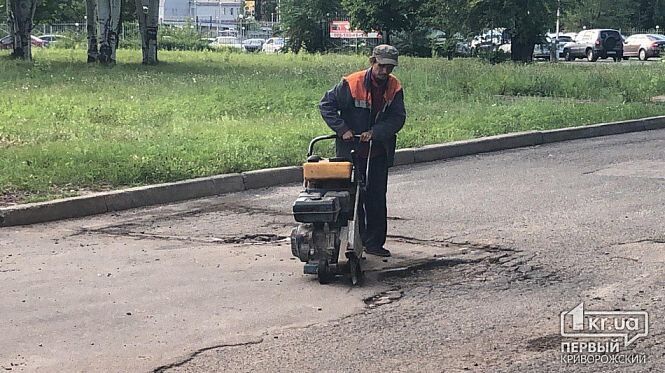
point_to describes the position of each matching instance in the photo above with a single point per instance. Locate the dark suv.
(594, 44)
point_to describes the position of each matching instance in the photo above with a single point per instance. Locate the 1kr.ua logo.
(629, 325)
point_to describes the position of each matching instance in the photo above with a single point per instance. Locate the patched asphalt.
(489, 250)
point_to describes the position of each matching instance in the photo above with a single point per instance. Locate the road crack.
(194, 354)
(257, 238)
(646, 240)
(447, 242)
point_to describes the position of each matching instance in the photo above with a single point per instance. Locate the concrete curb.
(100, 203)
(271, 176)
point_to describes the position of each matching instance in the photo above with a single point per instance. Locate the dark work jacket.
(348, 106)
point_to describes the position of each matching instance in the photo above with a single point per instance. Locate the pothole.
(384, 298)
(413, 268)
(448, 243)
(257, 238)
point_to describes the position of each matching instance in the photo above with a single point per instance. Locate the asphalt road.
(489, 251)
(631, 61)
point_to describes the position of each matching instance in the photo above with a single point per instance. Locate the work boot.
(379, 251)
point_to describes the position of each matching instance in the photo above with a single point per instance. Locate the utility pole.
(219, 17)
(556, 40)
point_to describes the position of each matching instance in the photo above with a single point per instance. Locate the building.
(212, 12)
(250, 8)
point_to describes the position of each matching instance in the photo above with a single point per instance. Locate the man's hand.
(366, 136)
(347, 136)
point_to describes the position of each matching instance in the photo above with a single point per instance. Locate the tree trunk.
(147, 12)
(521, 50)
(21, 13)
(109, 27)
(257, 10)
(91, 27)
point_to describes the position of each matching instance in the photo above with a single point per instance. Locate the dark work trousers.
(373, 203)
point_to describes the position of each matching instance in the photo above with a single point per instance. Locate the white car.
(253, 45)
(227, 42)
(274, 45)
(542, 47)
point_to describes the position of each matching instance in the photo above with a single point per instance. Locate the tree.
(306, 23)
(148, 17)
(649, 14)
(616, 14)
(525, 20)
(69, 11)
(21, 13)
(385, 16)
(448, 21)
(59, 11)
(450, 16)
(265, 10)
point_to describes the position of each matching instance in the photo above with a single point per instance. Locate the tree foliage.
(59, 11)
(266, 10)
(525, 20)
(617, 14)
(451, 16)
(306, 23)
(70, 11)
(385, 16)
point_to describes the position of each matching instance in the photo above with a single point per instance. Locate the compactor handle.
(310, 149)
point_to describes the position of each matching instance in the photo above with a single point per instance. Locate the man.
(369, 103)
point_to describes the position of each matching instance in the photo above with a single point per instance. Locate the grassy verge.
(67, 127)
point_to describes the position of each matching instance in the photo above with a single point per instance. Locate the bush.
(169, 43)
(493, 56)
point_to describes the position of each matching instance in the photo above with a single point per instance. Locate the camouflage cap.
(385, 54)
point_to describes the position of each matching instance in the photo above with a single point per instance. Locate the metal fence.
(633, 31)
(131, 30)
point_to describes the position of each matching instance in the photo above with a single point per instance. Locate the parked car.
(644, 46)
(491, 41)
(52, 38)
(274, 45)
(462, 48)
(227, 32)
(571, 35)
(506, 48)
(8, 42)
(226, 42)
(542, 48)
(442, 45)
(253, 45)
(594, 44)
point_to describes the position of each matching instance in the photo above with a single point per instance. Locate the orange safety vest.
(362, 96)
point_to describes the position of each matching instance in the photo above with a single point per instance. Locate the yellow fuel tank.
(326, 170)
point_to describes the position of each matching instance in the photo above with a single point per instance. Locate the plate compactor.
(328, 212)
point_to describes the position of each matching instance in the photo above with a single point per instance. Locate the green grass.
(66, 126)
